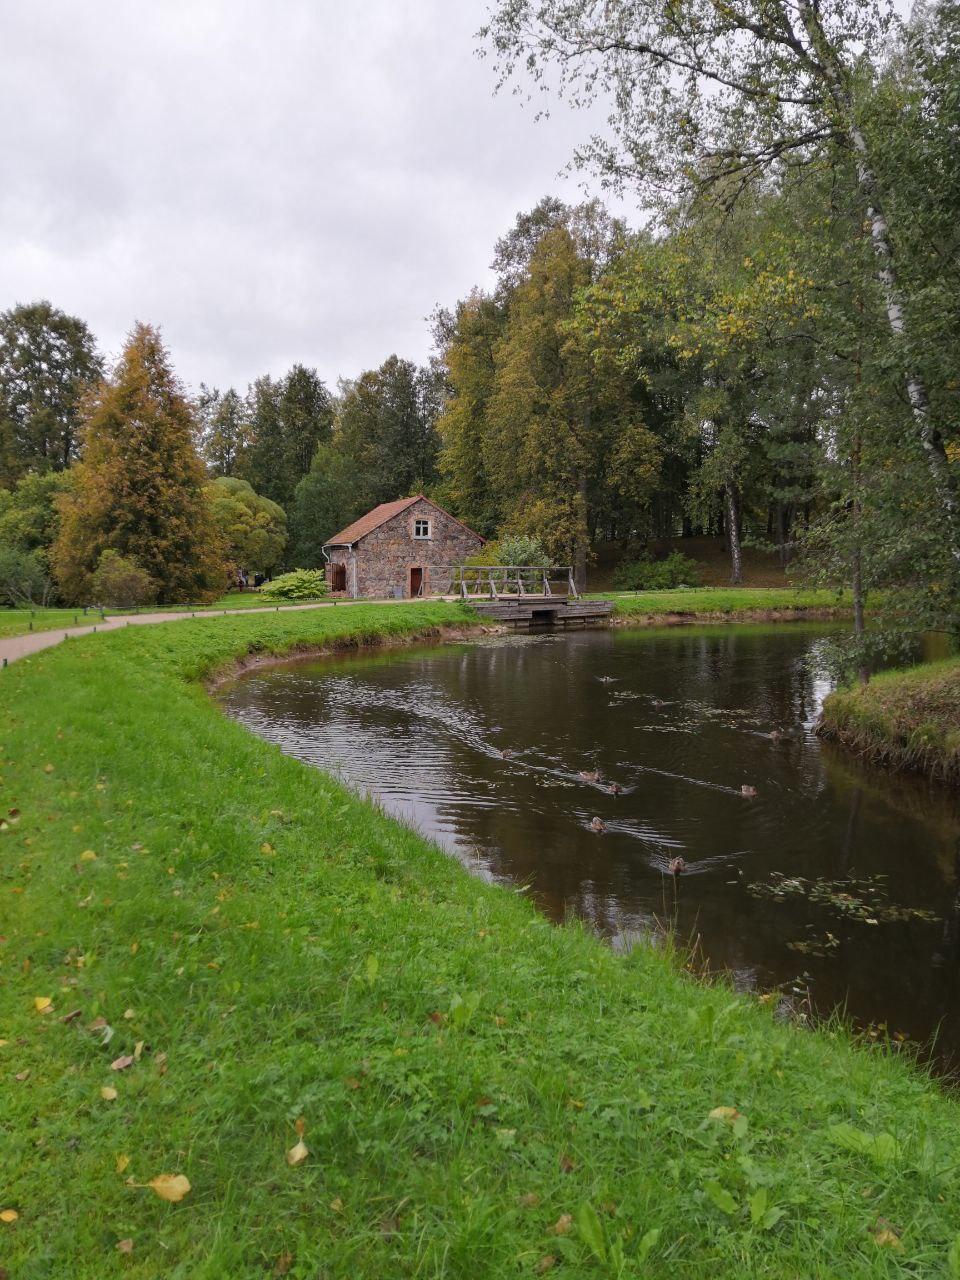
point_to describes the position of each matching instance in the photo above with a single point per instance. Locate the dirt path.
(14, 647)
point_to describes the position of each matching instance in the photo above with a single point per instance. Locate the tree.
(224, 430)
(325, 501)
(709, 97)
(469, 356)
(118, 582)
(139, 486)
(252, 529)
(386, 427)
(289, 417)
(47, 360)
(29, 513)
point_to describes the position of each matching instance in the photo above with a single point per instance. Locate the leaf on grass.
(8, 1215)
(721, 1197)
(529, 1201)
(725, 1113)
(42, 1004)
(567, 1164)
(121, 1063)
(591, 1231)
(953, 1259)
(297, 1154)
(882, 1147)
(546, 1262)
(128, 1014)
(887, 1239)
(283, 1264)
(124, 1246)
(562, 1224)
(122, 1163)
(108, 1093)
(48, 768)
(171, 1187)
(336, 1205)
(300, 1128)
(88, 855)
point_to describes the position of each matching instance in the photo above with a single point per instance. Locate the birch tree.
(714, 95)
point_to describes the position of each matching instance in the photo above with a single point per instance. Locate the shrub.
(23, 577)
(300, 584)
(512, 548)
(119, 582)
(646, 574)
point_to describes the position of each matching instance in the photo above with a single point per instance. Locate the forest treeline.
(773, 356)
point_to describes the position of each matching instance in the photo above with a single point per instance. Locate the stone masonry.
(391, 561)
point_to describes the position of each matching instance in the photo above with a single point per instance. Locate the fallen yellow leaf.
(296, 1155)
(128, 1014)
(562, 1224)
(122, 1162)
(8, 1215)
(124, 1246)
(887, 1239)
(88, 856)
(121, 1063)
(170, 1186)
(42, 1003)
(336, 1205)
(108, 1093)
(725, 1113)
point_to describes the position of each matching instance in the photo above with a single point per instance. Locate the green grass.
(267, 947)
(17, 622)
(909, 719)
(722, 602)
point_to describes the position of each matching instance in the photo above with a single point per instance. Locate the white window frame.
(422, 537)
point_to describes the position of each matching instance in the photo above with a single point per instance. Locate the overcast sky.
(270, 182)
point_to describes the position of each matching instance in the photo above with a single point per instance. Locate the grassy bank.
(17, 622)
(240, 949)
(724, 604)
(907, 719)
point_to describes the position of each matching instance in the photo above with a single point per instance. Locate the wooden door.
(339, 577)
(416, 582)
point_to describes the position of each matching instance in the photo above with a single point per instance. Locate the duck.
(507, 754)
(590, 775)
(615, 789)
(676, 866)
(749, 792)
(657, 702)
(597, 824)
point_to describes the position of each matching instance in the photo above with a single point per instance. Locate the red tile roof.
(372, 520)
(380, 515)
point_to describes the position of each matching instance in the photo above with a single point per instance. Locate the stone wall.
(380, 563)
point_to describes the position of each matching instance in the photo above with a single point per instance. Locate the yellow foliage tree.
(138, 488)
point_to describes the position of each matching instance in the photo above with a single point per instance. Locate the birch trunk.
(733, 535)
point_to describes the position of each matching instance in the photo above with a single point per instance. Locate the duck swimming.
(615, 789)
(590, 775)
(676, 866)
(750, 793)
(597, 824)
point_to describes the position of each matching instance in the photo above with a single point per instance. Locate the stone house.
(400, 549)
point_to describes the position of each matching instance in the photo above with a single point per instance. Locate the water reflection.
(504, 750)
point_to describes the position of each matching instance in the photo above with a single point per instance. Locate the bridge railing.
(514, 581)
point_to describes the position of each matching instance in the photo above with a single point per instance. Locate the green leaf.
(721, 1197)
(758, 1205)
(953, 1259)
(462, 1008)
(591, 1231)
(881, 1147)
(372, 969)
(647, 1241)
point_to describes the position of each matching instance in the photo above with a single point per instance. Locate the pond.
(836, 882)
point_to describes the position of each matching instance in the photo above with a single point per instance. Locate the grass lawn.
(16, 622)
(909, 718)
(211, 952)
(721, 602)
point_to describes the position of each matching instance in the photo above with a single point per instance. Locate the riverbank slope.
(212, 953)
(907, 719)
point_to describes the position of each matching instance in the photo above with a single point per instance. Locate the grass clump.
(908, 719)
(252, 958)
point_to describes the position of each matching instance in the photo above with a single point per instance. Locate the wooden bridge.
(528, 595)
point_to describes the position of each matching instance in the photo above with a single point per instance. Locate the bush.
(23, 577)
(118, 582)
(646, 574)
(300, 584)
(512, 548)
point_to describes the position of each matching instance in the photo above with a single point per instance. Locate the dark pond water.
(837, 881)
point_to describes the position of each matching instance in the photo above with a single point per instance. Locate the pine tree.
(138, 488)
